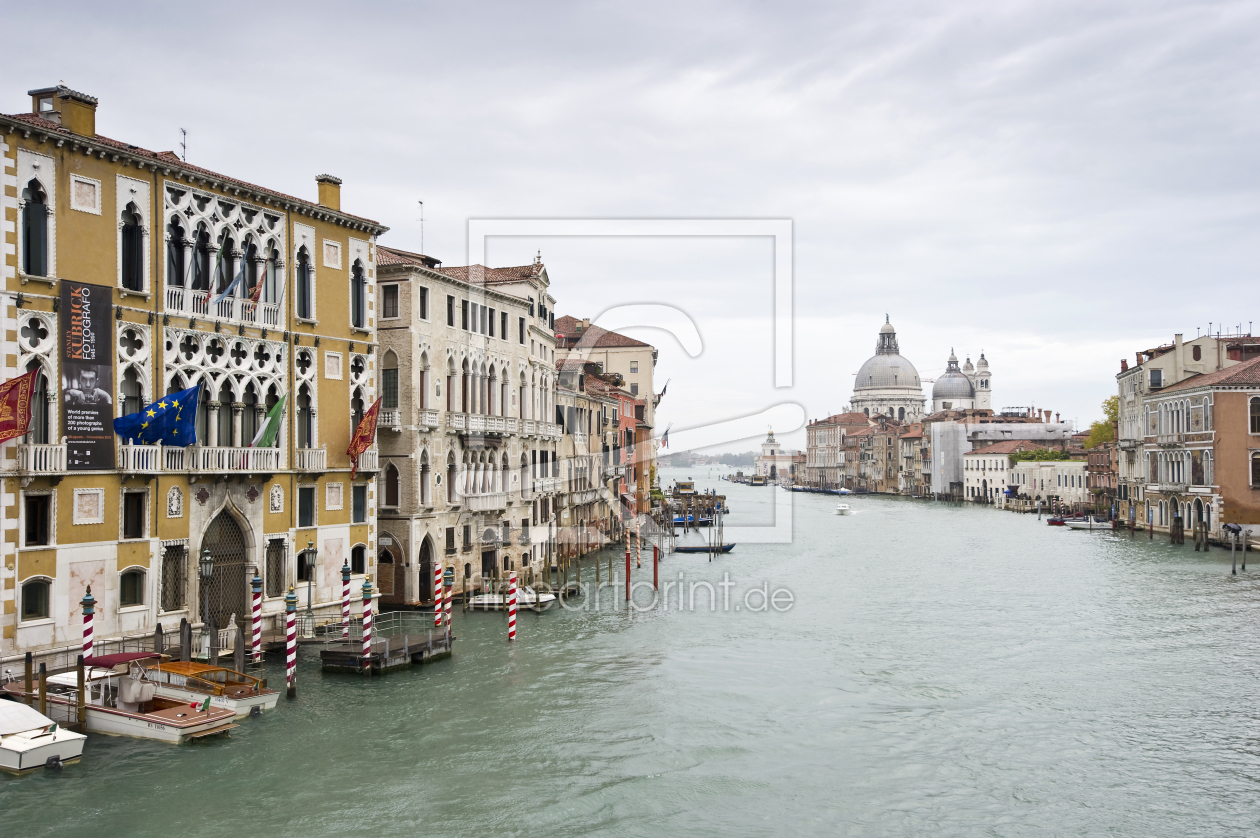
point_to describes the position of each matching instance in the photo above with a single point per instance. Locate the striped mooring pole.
(256, 646)
(89, 608)
(512, 605)
(437, 595)
(367, 625)
(450, 600)
(629, 540)
(290, 643)
(345, 601)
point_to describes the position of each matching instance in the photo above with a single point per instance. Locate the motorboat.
(226, 688)
(1086, 523)
(844, 491)
(122, 701)
(527, 599)
(679, 520)
(30, 740)
(843, 509)
(1056, 521)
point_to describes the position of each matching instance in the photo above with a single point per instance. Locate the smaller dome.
(982, 363)
(967, 367)
(887, 329)
(952, 385)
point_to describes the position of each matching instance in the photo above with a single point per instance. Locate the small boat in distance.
(1086, 523)
(700, 548)
(1056, 521)
(844, 491)
(30, 740)
(527, 599)
(843, 509)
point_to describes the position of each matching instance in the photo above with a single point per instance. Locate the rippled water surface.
(944, 671)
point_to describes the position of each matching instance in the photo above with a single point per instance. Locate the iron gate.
(229, 585)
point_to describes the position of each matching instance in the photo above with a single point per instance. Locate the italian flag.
(266, 436)
(201, 706)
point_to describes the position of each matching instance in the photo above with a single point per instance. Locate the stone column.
(212, 424)
(238, 412)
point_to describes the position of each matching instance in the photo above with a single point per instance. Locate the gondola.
(725, 548)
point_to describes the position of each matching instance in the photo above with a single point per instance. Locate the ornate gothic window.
(305, 291)
(175, 268)
(358, 296)
(34, 230)
(131, 243)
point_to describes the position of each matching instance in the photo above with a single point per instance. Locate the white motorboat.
(527, 599)
(843, 509)
(30, 740)
(845, 491)
(192, 681)
(121, 701)
(1086, 523)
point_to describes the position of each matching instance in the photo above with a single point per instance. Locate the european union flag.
(171, 421)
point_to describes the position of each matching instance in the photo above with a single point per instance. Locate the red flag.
(257, 295)
(15, 405)
(364, 436)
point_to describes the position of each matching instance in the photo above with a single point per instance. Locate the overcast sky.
(1058, 183)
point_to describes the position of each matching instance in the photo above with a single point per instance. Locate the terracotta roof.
(170, 158)
(1008, 446)
(851, 418)
(481, 275)
(867, 431)
(394, 256)
(1246, 374)
(570, 334)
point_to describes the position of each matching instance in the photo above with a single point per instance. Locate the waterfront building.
(584, 411)
(775, 463)
(824, 451)
(1202, 450)
(469, 461)
(887, 384)
(112, 255)
(1102, 465)
(988, 470)
(954, 434)
(1061, 480)
(1154, 370)
(915, 476)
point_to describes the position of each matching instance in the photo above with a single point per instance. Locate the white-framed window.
(36, 599)
(85, 194)
(634, 366)
(39, 516)
(133, 514)
(332, 254)
(307, 507)
(131, 587)
(333, 496)
(389, 301)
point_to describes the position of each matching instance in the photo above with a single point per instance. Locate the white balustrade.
(218, 459)
(428, 418)
(486, 501)
(392, 419)
(42, 459)
(140, 459)
(311, 459)
(197, 304)
(369, 460)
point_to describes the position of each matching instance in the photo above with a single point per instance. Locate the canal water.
(940, 670)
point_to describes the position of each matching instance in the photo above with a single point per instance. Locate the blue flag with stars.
(170, 421)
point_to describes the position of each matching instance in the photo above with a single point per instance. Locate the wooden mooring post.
(30, 679)
(43, 689)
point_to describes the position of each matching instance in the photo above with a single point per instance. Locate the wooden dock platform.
(399, 639)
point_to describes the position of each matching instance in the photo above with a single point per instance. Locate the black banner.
(87, 376)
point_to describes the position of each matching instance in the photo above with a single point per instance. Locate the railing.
(512, 426)
(529, 427)
(197, 304)
(548, 485)
(370, 459)
(496, 424)
(1170, 439)
(486, 501)
(175, 459)
(1130, 444)
(549, 429)
(220, 459)
(42, 459)
(391, 419)
(476, 423)
(311, 459)
(428, 418)
(457, 421)
(1170, 488)
(140, 459)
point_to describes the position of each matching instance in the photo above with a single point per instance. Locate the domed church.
(960, 389)
(888, 384)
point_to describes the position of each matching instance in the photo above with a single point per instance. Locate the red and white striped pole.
(345, 601)
(89, 609)
(629, 540)
(367, 626)
(437, 596)
(450, 600)
(256, 645)
(512, 605)
(290, 642)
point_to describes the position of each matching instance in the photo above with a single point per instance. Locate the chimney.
(1124, 364)
(586, 323)
(73, 110)
(329, 192)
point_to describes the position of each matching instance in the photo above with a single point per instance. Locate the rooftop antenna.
(421, 203)
(183, 144)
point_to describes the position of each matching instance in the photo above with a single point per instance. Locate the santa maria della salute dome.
(889, 385)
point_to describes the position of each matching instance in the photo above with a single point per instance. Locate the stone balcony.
(310, 460)
(427, 419)
(35, 460)
(391, 419)
(486, 501)
(197, 304)
(1170, 440)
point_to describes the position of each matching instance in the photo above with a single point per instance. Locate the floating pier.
(399, 639)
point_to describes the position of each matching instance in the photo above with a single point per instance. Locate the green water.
(943, 671)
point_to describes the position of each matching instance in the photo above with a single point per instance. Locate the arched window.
(271, 289)
(131, 588)
(34, 230)
(358, 296)
(305, 418)
(39, 432)
(1255, 470)
(253, 270)
(132, 245)
(175, 268)
(132, 392)
(358, 559)
(389, 381)
(225, 415)
(203, 412)
(35, 599)
(1197, 353)
(305, 293)
(391, 485)
(356, 409)
(1255, 415)
(901, 413)
(223, 264)
(450, 479)
(249, 416)
(201, 261)
(425, 478)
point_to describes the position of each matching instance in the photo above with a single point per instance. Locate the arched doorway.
(228, 589)
(984, 490)
(425, 590)
(389, 572)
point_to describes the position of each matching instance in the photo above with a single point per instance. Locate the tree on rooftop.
(1104, 429)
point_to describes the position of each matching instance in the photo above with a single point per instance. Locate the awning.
(110, 661)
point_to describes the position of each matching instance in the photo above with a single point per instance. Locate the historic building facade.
(469, 461)
(115, 259)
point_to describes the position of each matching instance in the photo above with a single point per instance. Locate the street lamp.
(308, 619)
(205, 566)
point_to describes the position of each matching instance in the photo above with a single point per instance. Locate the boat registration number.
(155, 726)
